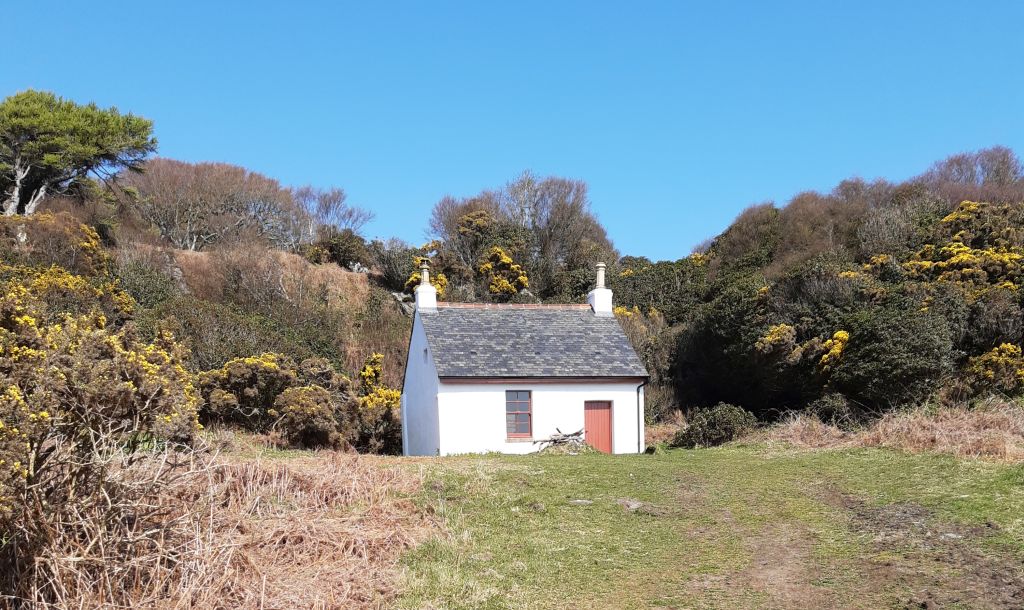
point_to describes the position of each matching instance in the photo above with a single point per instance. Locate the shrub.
(56, 292)
(372, 373)
(395, 261)
(76, 397)
(380, 426)
(216, 333)
(243, 391)
(711, 427)
(320, 371)
(377, 410)
(504, 276)
(999, 369)
(674, 288)
(148, 285)
(833, 408)
(343, 247)
(995, 318)
(311, 417)
(894, 355)
(311, 404)
(718, 347)
(53, 239)
(979, 247)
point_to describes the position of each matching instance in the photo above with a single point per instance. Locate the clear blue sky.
(677, 114)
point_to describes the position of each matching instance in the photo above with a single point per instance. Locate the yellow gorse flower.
(834, 350)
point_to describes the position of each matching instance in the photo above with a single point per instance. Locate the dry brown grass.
(317, 530)
(993, 429)
(293, 275)
(323, 531)
(294, 278)
(806, 431)
(664, 432)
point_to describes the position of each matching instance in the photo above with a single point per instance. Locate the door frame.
(611, 423)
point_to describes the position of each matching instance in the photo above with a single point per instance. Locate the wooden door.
(597, 425)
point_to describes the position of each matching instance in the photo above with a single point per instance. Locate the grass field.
(756, 526)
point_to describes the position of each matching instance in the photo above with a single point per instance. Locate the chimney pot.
(600, 298)
(424, 273)
(426, 294)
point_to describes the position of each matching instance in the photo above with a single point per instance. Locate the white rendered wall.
(420, 432)
(472, 416)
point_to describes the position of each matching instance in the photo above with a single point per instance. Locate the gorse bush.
(344, 248)
(216, 333)
(311, 416)
(243, 391)
(310, 404)
(75, 393)
(59, 293)
(377, 410)
(712, 427)
(673, 288)
(46, 239)
(504, 277)
(1000, 369)
(894, 355)
(320, 410)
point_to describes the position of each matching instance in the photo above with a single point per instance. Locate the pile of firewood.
(569, 441)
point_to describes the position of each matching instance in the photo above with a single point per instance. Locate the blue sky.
(677, 114)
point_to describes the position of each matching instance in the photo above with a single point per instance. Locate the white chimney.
(426, 295)
(600, 298)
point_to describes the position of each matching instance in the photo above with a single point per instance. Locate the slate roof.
(470, 340)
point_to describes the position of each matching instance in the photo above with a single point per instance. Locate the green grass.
(731, 527)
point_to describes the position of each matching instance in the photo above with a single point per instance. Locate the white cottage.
(485, 377)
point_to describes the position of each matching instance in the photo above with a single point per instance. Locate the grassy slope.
(739, 526)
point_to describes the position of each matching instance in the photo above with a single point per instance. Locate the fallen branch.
(574, 439)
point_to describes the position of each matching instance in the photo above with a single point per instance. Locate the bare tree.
(999, 166)
(194, 205)
(567, 235)
(991, 174)
(444, 220)
(327, 208)
(548, 219)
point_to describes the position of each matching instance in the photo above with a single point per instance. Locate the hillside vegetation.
(150, 308)
(849, 304)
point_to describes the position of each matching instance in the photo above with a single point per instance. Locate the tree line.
(850, 302)
(847, 303)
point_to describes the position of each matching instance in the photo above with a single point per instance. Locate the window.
(517, 414)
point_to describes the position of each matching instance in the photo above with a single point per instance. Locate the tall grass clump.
(991, 428)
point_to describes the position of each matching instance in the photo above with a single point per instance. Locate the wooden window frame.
(528, 412)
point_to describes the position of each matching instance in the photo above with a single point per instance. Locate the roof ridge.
(570, 306)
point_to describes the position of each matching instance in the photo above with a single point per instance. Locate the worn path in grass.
(747, 527)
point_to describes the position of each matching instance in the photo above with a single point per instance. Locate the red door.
(597, 425)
